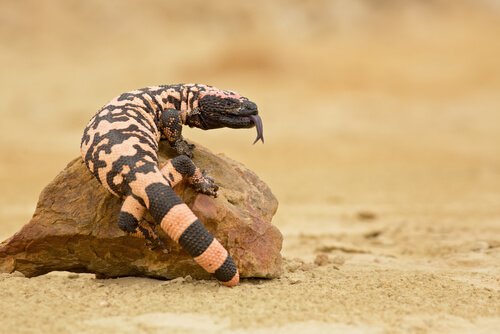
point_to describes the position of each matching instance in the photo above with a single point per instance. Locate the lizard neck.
(181, 97)
(185, 99)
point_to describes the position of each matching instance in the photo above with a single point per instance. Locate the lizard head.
(225, 109)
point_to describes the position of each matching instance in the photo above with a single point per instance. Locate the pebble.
(294, 264)
(17, 274)
(104, 303)
(294, 281)
(338, 260)
(366, 215)
(480, 246)
(307, 266)
(322, 259)
(177, 280)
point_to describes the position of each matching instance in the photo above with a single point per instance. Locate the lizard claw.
(157, 244)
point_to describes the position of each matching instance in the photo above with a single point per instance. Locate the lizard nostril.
(250, 106)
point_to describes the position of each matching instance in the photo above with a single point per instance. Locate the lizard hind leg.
(180, 224)
(130, 221)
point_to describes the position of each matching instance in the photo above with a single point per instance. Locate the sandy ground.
(382, 125)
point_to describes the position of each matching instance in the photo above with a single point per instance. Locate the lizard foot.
(153, 241)
(182, 147)
(156, 244)
(205, 185)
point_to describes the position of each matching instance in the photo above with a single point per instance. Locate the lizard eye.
(230, 103)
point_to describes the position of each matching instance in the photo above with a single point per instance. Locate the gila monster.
(120, 145)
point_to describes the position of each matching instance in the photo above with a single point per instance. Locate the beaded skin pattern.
(120, 146)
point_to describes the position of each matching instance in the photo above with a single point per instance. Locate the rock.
(74, 227)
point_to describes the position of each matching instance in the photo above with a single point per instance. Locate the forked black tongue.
(258, 125)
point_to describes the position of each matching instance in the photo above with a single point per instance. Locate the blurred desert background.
(382, 127)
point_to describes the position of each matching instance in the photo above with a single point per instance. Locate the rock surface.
(74, 227)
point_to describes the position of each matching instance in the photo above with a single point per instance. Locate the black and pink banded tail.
(180, 223)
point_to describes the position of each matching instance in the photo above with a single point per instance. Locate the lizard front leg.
(182, 167)
(171, 128)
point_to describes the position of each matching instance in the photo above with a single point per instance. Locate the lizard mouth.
(244, 116)
(237, 122)
(249, 110)
(241, 120)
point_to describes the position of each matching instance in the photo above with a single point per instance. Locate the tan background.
(389, 109)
